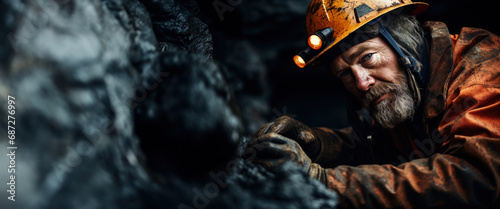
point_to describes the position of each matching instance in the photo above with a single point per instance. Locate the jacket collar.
(440, 68)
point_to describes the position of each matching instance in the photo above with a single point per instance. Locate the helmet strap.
(407, 61)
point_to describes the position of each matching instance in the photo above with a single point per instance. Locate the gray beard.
(395, 109)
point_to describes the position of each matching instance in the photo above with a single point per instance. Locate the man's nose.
(364, 80)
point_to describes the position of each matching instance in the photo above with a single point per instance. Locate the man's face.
(370, 71)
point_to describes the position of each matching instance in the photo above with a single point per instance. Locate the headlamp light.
(303, 57)
(316, 42)
(320, 38)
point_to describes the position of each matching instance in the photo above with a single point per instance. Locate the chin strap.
(407, 61)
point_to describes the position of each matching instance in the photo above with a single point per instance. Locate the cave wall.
(122, 104)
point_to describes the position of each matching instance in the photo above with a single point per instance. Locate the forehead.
(348, 56)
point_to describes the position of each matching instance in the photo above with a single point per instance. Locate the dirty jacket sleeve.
(465, 170)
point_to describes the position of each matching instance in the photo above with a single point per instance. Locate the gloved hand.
(272, 150)
(311, 140)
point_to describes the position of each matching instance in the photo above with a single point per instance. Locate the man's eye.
(367, 57)
(345, 73)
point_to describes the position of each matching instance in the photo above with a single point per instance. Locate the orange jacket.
(455, 160)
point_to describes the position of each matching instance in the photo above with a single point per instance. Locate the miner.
(423, 104)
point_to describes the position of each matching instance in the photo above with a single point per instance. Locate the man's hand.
(273, 150)
(295, 130)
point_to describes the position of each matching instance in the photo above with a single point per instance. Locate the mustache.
(378, 90)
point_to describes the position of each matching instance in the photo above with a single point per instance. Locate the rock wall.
(141, 104)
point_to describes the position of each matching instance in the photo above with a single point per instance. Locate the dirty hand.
(288, 127)
(272, 150)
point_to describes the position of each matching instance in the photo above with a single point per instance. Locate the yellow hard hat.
(330, 21)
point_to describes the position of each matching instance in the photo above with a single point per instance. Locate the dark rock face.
(203, 102)
(128, 104)
(177, 28)
(73, 67)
